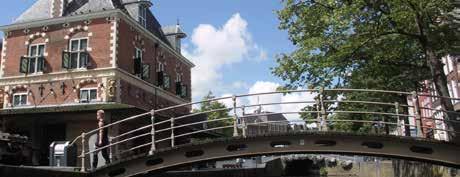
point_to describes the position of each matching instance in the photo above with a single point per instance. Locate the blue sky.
(232, 42)
(262, 25)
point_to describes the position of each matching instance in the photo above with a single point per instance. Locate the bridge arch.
(435, 152)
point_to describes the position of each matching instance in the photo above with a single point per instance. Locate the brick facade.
(57, 96)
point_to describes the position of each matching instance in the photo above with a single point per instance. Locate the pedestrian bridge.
(168, 141)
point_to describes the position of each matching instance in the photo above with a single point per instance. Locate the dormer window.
(34, 62)
(143, 15)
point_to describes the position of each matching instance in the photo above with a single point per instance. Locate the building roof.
(38, 11)
(41, 10)
(87, 6)
(174, 30)
(264, 117)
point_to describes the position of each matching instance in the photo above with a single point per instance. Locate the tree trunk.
(440, 82)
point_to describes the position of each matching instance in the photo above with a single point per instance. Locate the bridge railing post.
(318, 113)
(83, 152)
(418, 118)
(172, 132)
(244, 127)
(398, 119)
(323, 110)
(235, 120)
(152, 132)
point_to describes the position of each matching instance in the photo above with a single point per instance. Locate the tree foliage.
(217, 110)
(370, 44)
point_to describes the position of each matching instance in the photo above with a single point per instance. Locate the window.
(181, 89)
(143, 15)
(179, 77)
(161, 67)
(138, 68)
(88, 95)
(20, 99)
(34, 62)
(77, 56)
(160, 74)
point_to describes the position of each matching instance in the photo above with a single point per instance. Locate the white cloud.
(214, 48)
(263, 87)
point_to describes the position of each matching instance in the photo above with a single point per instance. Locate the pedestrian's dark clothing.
(105, 151)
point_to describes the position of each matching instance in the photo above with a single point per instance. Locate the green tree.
(221, 112)
(371, 44)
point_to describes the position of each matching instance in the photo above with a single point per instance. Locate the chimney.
(58, 8)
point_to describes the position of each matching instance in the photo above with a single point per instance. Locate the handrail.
(375, 113)
(323, 118)
(365, 102)
(117, 122)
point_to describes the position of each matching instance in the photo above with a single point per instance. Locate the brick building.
(429, 105)
(64, 59)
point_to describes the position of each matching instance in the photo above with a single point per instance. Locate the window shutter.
(41, 64)
(24, 65)
(167, 82)
(145, 71)
(65, 60)
(160, 78)
(137, 66)
(183, 91)
(178, 88)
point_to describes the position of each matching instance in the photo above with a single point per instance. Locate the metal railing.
(157, 132)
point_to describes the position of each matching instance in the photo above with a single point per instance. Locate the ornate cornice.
(92, 74)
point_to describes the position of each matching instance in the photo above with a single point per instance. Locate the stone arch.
(36, 36)
(75, 30)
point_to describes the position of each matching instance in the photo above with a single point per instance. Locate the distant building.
(263, 123)
(64, 59)
(432, 120)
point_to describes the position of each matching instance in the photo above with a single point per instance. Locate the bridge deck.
(436, 152)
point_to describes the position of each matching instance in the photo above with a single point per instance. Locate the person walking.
(102, 139)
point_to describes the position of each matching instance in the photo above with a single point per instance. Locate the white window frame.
(454, 85)
(139, 51)
(143, 15)
(450, 63)
(35, 57)
(21, 94)
(179, 77)
(79, 51)
(445, 69)
(161, 67)
(139, 54)
(89, 95)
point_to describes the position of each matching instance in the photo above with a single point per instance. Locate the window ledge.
(36, 73)
(77, 69)
(21, 106)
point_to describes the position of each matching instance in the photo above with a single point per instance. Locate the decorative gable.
(58, 8)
